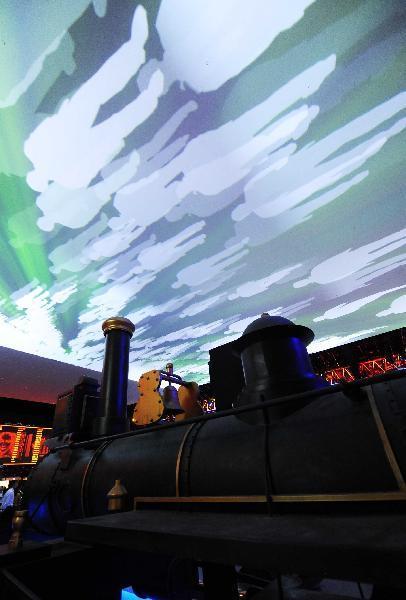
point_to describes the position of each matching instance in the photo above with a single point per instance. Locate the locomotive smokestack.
(275, 360)
(113, 408)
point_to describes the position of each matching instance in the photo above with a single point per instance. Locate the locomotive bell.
(170, 396)
(171, 400)
(275, 363)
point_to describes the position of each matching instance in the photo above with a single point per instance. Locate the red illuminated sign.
(22, 445)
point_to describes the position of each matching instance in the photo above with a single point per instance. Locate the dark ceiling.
(28, 377)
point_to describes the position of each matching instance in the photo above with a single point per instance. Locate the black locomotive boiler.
(291, 440)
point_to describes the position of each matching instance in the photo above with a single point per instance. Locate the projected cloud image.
(191, 164)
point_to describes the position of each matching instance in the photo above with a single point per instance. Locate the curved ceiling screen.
(192, 163)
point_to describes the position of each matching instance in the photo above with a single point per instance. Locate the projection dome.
(192, 164)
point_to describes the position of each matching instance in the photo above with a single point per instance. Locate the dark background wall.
(29, 377)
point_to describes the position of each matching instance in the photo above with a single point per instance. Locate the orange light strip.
(37, 445)
(14, 453)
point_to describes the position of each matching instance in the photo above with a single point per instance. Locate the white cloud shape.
(209, 268)
(257, 286)
(332, 341)
(347, 308)
(67, 147)
(207, 42)
(397, 307)
(351, 261)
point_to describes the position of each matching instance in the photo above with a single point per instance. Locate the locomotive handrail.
(345, 386)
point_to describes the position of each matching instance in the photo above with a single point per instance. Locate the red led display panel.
(21, 445)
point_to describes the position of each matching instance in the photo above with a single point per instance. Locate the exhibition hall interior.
(202, 300)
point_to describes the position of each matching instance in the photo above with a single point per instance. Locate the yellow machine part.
(189, 400)
(149, 408)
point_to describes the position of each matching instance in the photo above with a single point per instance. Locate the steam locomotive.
(291, 440)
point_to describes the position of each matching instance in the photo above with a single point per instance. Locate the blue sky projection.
(191, 164)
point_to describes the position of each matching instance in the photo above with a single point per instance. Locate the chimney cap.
(120, 323)
(266, 320)
(272, 326)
